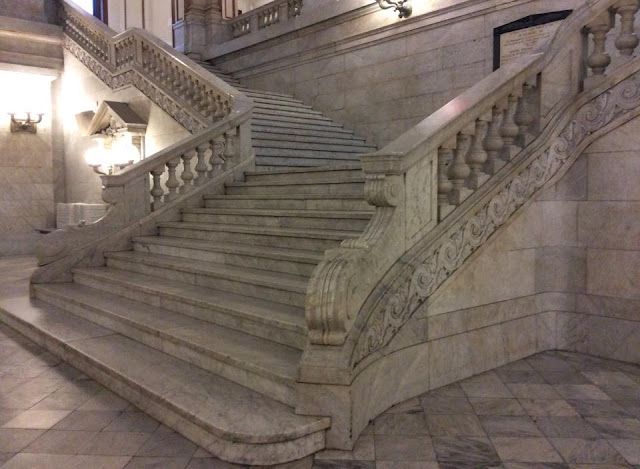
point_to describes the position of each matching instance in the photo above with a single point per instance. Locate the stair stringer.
(360, 379)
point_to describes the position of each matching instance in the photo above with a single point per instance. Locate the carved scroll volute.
(342, 281)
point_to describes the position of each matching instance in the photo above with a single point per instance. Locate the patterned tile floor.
(553, 410)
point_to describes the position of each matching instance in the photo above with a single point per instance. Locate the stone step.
(267, 108)
(321, 173)
(270, 94)
(322, 219)
(285, 288)
(290, 261)
(306, 154)
(336, 139)
(306, 146)
(298, 238)
(277, 322)
(291, 201)
(352, 185)
(264, 366)
(274, 163)
(279, 128)
(292, 121)
(259, 101)
(212, 411)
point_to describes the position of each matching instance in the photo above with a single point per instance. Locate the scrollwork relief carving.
(424, 275)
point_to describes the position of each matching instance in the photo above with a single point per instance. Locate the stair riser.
(275, 265)
(281, 222)
(303, 146)
(312, 244)
(336, 139)
(206, 359)
(282, 116)
(204, 312)
(290, 124)
(274, 163)
(300, 242)
(203, 280)
(294, 111)
(290, 204)
(353, 188)
(299, 178)
(281, 130)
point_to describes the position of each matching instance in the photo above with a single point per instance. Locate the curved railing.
(427, 184)
(217, 115)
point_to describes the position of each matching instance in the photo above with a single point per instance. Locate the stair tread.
(284, 196)
(214, 403)
(297, 255)
(281, 315)
(236, 347)
(345, 180)
(266, 230)
(266, 212)
(316, 169)
(284, 281)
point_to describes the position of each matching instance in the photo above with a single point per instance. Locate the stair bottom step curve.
(232, 422)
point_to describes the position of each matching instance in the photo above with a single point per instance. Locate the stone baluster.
(156, 191)
(599, 60)
(230, 153)
(509, 129)
(187, 175)
(524, 116)
(477, 156)
(172, 181)
(201, 166)
(217, 159)
(493, 143)
(627, 41)
(445, 156)
(459, 170)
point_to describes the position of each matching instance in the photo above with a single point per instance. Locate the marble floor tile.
(548, 408)
(133, 422)
(561, 377)
(60, 442)
(581, 391)
(13, 440)
(520, 376)
(454, 425)
(87, 420)
(403, 448)
(114, 444)
(509, 426)
(566, 427)
(533, 391)
(37, 419)
(617, 428)
(497, 406)
(485, 385)
(525, 449)
(138, 462)
(577, 450)
(609, 378)
(549, 362)
(401, 424)
(62, 401)
(465, 449)
(321, 465)
(600, 408)
(105, 400)
(446, 405)
(622, 393)
(629, 449)
(406, 407)
(631, 407)
(164, 442)
(538, 465)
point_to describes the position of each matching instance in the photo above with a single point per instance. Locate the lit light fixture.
(105, 159)
(404, 11)
(24, 123)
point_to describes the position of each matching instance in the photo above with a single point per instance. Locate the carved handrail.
(426, 175)
(220, 145)
(265, 16)
(186, 91)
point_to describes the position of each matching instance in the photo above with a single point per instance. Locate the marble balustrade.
(265, 16)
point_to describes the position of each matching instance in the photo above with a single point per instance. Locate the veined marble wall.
(44, 11)
(81, 91)
(26, 179)
(380, 75)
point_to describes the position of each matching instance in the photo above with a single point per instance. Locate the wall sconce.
(105, 159)
(24, 122)
(404, 11)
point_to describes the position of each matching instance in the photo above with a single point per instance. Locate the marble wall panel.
(613, 273)
(44, 11)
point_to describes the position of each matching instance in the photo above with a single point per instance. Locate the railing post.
(627, 41)
(599, 59)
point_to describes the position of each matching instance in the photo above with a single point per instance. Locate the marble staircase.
(205, 321)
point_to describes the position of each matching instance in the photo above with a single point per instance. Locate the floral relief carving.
(427, 272)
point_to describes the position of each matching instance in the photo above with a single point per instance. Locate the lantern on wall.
(404, 11)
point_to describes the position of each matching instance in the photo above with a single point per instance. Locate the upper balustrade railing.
(267, 15)
(217, 115)
(468, 148)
